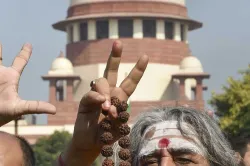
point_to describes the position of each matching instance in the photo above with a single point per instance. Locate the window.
(70, 34)
(182, 32)
(59, 90)
(83, 31)
(149, 28)
(169, 32)
(125, 28)
(102, 29)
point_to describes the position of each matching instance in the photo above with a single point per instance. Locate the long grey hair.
(218, 151)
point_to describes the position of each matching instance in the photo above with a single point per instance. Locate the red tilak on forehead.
(163, 143)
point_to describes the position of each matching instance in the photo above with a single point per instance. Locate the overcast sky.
(222, 45)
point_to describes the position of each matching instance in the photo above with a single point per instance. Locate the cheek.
(247, 157)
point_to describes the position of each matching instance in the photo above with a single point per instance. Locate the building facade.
(158, 28)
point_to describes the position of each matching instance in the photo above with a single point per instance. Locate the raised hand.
(85, 145)
(11, 105)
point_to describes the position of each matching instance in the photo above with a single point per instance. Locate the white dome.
(192, 82)
(77, 2)
(191, 64)
(61, 66)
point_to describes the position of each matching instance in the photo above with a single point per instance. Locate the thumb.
(34, 107)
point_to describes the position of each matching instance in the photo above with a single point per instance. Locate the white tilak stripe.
(175, 143)
(168, 132)
(167, 129)
(168, 125)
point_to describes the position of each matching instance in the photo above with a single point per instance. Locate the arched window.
(125, 27)
(149, 28)
(169, 30)
(102, 29)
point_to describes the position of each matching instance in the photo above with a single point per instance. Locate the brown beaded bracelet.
(107, 138)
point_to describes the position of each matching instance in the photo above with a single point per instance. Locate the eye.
(150, 159)
(181, 160)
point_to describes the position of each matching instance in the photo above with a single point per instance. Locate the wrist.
(74, 156)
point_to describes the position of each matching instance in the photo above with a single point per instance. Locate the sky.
(222, 45)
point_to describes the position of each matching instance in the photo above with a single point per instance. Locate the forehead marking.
(163, 143)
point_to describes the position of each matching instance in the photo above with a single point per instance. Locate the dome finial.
(190, 53)
(61, 55)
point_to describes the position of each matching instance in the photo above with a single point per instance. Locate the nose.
(166, 158)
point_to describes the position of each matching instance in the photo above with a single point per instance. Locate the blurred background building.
(158, 28)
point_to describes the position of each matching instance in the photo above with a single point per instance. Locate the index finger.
(22, 59)
(131, 81)
(166, 158)
(113, 63)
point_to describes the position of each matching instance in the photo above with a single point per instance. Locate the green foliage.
(233, 105)
(47, 149)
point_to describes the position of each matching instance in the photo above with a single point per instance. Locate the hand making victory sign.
(85, 145)
(11, 105)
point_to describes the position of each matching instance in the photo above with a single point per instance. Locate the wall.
(152, 87)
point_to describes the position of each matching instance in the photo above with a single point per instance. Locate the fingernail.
(28, 45)
(116, 43)
(107, 104)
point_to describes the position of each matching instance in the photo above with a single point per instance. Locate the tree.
(47, 149)
(233, 105)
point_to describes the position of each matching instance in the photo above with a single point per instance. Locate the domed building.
(61, 66)
(191, 64)
(61, 77)
(158, 28)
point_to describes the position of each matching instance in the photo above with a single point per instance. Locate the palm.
(11, 105)
(8, 90)
(89, 115)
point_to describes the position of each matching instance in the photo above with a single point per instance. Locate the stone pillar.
(182, 93)
(69, 37)
(185, 36)
(76, 32)
(160, 29)
(113, 29)
(69, 90)
(198, 89)
(177, 31)
(52, 90)
(91, 30)
(138, 29)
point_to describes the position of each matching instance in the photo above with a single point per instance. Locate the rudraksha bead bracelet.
(107, 137)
